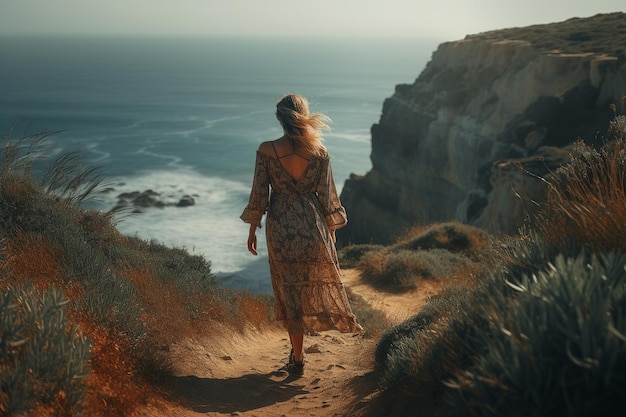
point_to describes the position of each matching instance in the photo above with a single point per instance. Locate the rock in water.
(186, 201)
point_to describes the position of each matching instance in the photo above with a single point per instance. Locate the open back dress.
(306, 279)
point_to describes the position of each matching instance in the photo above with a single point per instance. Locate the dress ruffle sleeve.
(334, 212)
(259, 194)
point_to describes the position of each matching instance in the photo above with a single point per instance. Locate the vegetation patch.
(130, 298)
(350, 256)
(43, 356)
(442, 251)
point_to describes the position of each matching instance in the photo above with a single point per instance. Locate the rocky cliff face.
(450, 145)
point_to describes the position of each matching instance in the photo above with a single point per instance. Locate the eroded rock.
(447, 146)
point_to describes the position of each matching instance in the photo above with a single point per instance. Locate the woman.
(303, 213)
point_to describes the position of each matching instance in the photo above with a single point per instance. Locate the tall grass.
(586, 203)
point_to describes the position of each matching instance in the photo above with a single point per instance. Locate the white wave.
(174, 161)
(211, 227)
(102, 155)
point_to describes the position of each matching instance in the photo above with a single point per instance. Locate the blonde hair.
(301, 127)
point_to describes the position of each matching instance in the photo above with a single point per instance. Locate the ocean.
(184, 116)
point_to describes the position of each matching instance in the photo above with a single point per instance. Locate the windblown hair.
(300, 126)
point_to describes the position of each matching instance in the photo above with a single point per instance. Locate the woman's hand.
(252, 240)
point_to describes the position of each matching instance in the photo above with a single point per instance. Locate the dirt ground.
(244, 374)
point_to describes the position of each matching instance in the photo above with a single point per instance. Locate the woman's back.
(294, 161)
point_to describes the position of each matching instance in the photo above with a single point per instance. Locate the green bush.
(418, 350)
(43, 358)
(397, 347)
(350, 256)
(557, 348)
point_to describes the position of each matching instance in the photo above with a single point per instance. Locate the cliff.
(449, 146)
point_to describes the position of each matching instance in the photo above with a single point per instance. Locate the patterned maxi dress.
(309, 295)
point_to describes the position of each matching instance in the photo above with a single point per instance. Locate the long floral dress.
(306, 279)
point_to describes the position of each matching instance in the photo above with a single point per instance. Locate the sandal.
(294, 367)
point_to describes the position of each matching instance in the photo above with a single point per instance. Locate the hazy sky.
(447, 19)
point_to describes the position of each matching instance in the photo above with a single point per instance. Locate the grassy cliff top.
(602, 33)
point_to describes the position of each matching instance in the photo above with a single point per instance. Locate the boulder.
(186, 201)
(139, 200)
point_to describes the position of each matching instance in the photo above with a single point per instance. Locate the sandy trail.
(244, 374)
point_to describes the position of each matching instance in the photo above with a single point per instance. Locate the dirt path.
(244, 375)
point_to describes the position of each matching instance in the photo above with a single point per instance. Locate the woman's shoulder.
(267, 149)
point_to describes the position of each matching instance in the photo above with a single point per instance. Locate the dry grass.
(586, 201)
(253, 311)
(115, 386)
(164, 308)
(445, 252)
(31, 256)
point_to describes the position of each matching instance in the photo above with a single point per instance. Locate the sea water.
(184, 116)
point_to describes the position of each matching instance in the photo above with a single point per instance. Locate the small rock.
(186, 201)
(335, 340)
(227, 358)
(129, 196)
(145, 200)
(313, 349)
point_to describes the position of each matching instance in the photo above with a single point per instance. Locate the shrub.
(453, 237)
(558, 348)
(43, 358)
(350, 256)
(420, 350)
(401, 270)
(446, 250)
